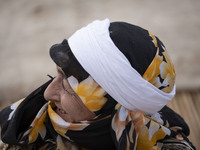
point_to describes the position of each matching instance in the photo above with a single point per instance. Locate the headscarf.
(122, 59)
(33, 123)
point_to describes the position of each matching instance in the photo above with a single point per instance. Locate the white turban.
(98, 55)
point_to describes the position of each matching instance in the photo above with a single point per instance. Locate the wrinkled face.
(69, 105)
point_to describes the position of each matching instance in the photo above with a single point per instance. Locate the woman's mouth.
(61, 111)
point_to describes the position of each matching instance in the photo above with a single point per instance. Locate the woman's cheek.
(67, 102)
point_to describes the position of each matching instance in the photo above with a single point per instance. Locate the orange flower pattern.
(161, 72)
(121, 120)
(91, 93)
(134, 131)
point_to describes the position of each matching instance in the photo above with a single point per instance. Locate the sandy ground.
(28, 29)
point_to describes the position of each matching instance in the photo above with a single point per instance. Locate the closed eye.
(67, 87)
(65, 84)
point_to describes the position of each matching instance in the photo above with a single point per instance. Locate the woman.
(114, 81)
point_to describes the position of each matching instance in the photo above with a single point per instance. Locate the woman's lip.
(60, 111)
(59, 108)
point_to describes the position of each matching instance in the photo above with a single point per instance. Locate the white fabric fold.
(98, 55)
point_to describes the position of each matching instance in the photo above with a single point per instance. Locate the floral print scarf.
(32, 123)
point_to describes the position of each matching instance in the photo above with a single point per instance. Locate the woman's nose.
(53, 90)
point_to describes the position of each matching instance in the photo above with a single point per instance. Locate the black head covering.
(133, 41)
(64, 58)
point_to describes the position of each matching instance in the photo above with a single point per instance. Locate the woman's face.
(68, 104)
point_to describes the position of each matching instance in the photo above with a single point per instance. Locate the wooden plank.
(187, 103)
(192, 117)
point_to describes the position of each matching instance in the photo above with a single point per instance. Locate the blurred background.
(29, 28)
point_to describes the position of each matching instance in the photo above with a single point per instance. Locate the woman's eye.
(67, 87)
(64, 85)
